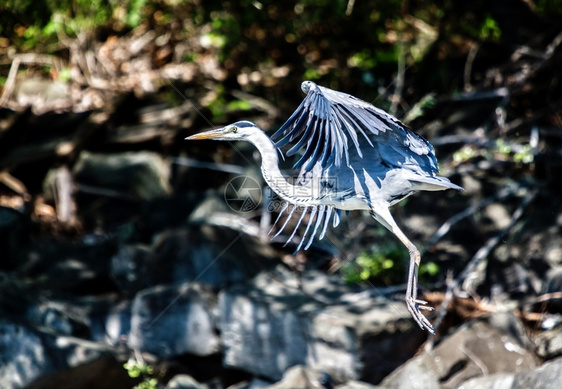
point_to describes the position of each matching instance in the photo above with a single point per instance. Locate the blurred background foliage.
(345, 44)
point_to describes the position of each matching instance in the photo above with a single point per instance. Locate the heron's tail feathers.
(433, 183)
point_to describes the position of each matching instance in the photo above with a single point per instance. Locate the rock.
(495, 344)
(552, 284)
(11, 235)
(117, 324)
(356, 385)
(183, 381)
(303, 378)
(206, 253)
(549, 343)
(494, 381)
(419, 373)
(139, 175)
(26, 354)
(553, 281)
(209, 254)
(270, 325)
(174, 320)
(101, 373)
(130, 268)
(255, 383)
(23, 356)
(306, 378)
(70, 266)
(42, 92)
(547, 376)
(163, 213)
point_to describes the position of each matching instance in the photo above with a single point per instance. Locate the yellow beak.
(213, 134)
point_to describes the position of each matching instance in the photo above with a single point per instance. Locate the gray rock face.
(549, 343)
(141, 175)
(356, 385)
(495, 344)
(206, 254)
(26, 354)
(270, 325)
(23, 357)
(301, 377)
(116, 325)
(36, 91)
(182, 381)
(129, 268)
(547, 376)
(174, 320)
(213, 255)
(11, 235)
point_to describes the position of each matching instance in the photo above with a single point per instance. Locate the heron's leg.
(382, 214)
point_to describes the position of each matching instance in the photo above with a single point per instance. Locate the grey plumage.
(352, 155)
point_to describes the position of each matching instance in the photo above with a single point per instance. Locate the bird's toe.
(414, 307)
(422, 304)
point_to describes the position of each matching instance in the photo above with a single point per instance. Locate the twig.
(464, 139)
(548, 296)
(63, 191)
(349, 8)
(551, 48)
(479, 95)
(14, 184)
(105, 192)
(474, 358)
(468, 66)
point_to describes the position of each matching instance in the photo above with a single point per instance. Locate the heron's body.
(353, 156)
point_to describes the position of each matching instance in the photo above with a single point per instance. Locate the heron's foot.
(415, 306)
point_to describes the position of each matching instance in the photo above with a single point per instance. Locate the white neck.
(298, 195)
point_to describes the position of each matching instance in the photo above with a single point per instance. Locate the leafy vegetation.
(501, 150)
(385, 264)
(136, 369)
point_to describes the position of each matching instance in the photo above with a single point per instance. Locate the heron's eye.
(234, 129)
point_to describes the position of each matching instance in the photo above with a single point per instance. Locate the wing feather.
(318, 223)
(327, 121)
(286, 220)
(329, 211)
(285, 206)
(304, 211)
(311, 218)
(310, 129)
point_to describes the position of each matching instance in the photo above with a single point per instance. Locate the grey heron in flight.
(352, 156)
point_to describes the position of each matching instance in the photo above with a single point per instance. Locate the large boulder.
(547, 376)
(271, 324)
(173, 320)
(494, 344)
(26, 354)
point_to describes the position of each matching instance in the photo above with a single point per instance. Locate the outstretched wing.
(327, 123)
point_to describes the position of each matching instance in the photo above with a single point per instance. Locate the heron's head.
(242, 130)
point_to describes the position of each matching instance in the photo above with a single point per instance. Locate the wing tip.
(307, 85)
